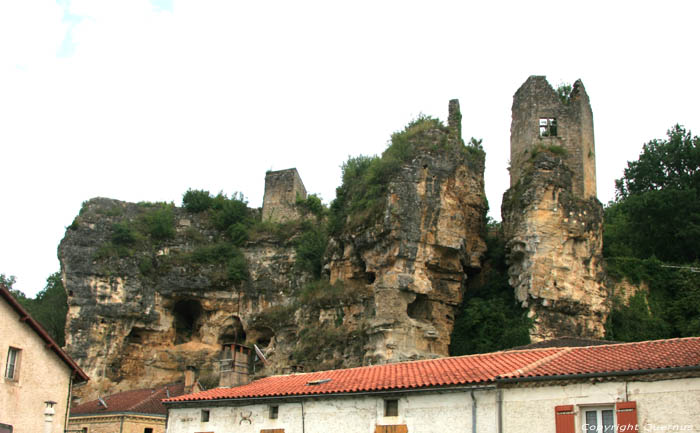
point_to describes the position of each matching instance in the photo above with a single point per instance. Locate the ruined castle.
(140, 320)
(552, 220)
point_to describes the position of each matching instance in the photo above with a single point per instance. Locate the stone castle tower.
(552, 220)
(542, 120)
(282, 188)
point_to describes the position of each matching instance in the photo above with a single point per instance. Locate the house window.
(598, 419)
(205, 416)
(274, 411)
(12, 368)
(5, 428)
(84, 430)
(391, 407)
(548, 127)
(148, 430)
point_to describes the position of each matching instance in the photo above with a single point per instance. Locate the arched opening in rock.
(420, 309)
(261, 336)
(136, 336)
(233, 333)
(187, 315)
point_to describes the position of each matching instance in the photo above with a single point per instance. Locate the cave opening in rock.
(136, 336)
(420, 309)
(370, 277)
(233, 333)
(187, 314)
(261, 335)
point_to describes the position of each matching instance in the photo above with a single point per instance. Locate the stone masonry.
(282, 187)
(535, 103)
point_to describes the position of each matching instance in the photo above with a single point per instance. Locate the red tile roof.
(147, 401)
(471, 370)
(78, 374)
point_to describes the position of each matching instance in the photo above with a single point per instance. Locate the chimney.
(189, 378)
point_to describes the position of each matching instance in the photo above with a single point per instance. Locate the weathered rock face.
(139, 317)
(554, 246)
(416, 259)
(142, 309)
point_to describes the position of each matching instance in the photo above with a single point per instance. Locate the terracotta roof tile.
(137, 401)
(471, 369)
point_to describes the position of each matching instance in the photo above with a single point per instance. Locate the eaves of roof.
(78, 374)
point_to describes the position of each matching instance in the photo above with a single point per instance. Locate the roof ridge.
(533, 365)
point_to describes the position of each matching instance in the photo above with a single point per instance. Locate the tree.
(49, 307)
(664, 164)
(657, 208)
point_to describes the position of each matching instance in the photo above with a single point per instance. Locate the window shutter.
(564, 417)
(626, 416)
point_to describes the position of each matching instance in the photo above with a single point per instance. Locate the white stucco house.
(37, 375)
(648, 386)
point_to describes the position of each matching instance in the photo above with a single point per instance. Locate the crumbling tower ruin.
(542, 120)
(552, 220)
(282, 188)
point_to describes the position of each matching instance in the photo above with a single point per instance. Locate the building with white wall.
(647, 386)
(37, 375)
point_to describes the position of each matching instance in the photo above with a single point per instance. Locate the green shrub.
(238, 233)
(197, 200)
(237, 268)
(310, 248)
(311, 205)
(227, 212)
(123, 234)
(159, 223)
(215, 253)
(365, 179)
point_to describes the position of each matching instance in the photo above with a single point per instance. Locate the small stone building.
(282, 189)
(644, 386)
(135, 411)
(37, 375)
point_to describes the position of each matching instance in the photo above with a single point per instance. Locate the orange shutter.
(564, 417)
(399, 428)
(626, 416)
(272, 430)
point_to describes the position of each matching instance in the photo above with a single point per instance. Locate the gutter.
(473, 411)
(599, 374)
(249, 400)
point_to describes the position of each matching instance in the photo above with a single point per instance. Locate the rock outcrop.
(552, 221)
(416, 258)
(554, 244)
(144, 306)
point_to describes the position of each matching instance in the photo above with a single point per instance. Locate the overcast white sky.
(140, 100)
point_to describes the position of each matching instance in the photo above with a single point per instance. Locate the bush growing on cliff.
(196, 200)
(159, 223)
(310, 248)
(365, 179)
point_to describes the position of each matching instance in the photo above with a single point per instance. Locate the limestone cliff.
(416, 258)
(138, 317)
(554, 244)
(144, 305)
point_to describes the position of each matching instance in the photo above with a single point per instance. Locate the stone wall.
(282, 188)
(536, 100)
